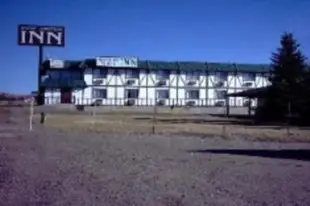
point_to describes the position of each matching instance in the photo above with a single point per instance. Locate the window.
(100, 93)
(100, 73)
(222, 76)
(163, 75)
(97, 81)
(220, 94)
(163, 94)
(64, 76)
(248, 77)
(53, 74)
(192, 94)
(192, 76)
(132, 93)
(132, 73)
(267, 75)
(44, 77)
(69, 75)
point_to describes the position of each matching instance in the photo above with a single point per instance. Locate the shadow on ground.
(235, 116)
(221, 119)
(195, 121)
(295, 154)
(246, 118)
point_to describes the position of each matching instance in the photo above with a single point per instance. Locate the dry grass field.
(66, 162)
(165, 121)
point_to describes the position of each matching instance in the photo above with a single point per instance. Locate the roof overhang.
(252, 93)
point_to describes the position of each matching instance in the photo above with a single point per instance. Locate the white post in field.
(94, 113)
(31, 114)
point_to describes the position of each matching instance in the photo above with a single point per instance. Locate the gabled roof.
(174, 65)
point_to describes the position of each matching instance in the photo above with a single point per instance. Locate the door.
(65, 96)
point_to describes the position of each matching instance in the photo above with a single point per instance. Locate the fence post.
(249, 107)
(288, 133)
(94, 113)
(154, 116)
(224, 129)
(31, 114)
(227, 106)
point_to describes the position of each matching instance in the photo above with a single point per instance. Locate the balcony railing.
(214, 102)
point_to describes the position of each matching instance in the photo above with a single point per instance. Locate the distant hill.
(14, 97)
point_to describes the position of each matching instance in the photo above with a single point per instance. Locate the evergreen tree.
(304, 107)
(288, 63)
(288, 78)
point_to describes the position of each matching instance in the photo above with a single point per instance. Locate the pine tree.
(288, 78)
(304, 108)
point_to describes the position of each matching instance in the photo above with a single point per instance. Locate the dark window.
(63, 76)
(100, 93)
(132, 73)
(70, 75)
(44, 77)
(163, 94)
(100, 73)
(220, 94)
(54, 74)
(192, 94)
(192, 76)
(163, 74)
(221, 76)
(248, 76)
(97, 82)
(132, 93)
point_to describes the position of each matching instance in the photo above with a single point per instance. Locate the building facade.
(129, 81)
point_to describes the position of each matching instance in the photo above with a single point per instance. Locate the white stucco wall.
(115, 84)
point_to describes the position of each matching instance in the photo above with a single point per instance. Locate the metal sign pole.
(39, 36)
(40, 73)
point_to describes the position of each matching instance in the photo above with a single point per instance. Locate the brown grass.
(167, 122)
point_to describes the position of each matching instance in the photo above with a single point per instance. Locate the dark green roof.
(176, 65)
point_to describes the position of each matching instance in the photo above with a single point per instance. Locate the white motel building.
(130, 81)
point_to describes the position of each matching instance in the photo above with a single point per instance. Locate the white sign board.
(117, 62)
(56, 64)
(35, 35)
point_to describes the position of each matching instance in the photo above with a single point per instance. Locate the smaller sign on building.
(34, 35)
(131, 62)
(56, 64)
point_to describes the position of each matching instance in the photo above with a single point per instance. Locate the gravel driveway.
(53, 167)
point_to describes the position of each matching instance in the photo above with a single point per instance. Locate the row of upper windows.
(165, 74)
(160, 94)
(64, 74)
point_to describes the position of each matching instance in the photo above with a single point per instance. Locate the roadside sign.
(34, 35)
